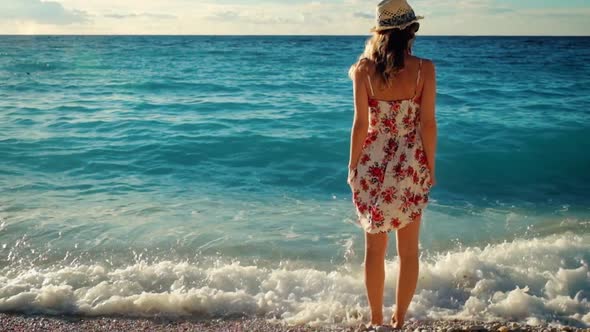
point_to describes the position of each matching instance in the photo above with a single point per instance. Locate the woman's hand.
(351, 171)
(432, 177)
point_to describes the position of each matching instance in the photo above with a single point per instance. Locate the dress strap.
(370, 85)
(418, 78)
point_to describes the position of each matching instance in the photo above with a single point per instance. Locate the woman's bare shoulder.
(427, 66)
(364, 67)
(427, 63)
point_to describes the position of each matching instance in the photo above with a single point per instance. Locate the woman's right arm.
(361, 117)
(427, 117)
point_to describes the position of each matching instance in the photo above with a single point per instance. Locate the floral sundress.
(391, 182)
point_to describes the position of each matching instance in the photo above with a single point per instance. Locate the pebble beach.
(31, 323)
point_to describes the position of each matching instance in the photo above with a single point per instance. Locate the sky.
(299, 17)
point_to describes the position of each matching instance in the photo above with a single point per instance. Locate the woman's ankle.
(396, 322)
(377, 319)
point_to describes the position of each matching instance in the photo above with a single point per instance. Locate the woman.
(392, 154)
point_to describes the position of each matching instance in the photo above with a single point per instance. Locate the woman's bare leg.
(375, 249)
(407, 249)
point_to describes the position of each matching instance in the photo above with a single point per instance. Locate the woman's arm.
(361, 116)
(427, 117)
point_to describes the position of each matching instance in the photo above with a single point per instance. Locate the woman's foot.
(366, 327)
(395, 324)
(374, 328)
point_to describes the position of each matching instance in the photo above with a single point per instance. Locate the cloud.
(558, 12)
(462, 7)
(299, 17)
(363, 15)
(342, 17)
(140, 15)
(46, 12)
(256, 17)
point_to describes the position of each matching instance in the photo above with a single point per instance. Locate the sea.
(205, 177)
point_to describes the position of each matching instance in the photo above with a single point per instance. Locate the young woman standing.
(392, 153)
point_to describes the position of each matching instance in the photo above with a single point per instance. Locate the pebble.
(69, 324)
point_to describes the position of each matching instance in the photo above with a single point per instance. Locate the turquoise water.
(207, 176)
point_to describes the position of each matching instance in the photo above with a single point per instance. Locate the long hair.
(387, 49)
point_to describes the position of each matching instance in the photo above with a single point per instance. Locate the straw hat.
(394, 14)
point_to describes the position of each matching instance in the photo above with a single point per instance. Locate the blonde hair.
(387, 50)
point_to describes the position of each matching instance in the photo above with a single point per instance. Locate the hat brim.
(400, 27)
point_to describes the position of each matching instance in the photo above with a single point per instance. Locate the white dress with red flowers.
(391, 182)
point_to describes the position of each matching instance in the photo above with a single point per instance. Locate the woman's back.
(405, 85)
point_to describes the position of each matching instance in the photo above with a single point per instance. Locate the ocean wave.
(532, 281)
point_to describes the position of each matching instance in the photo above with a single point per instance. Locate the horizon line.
(271, 35)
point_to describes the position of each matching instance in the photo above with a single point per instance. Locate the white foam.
(533, 280)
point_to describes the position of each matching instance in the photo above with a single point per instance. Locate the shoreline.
(29, 322)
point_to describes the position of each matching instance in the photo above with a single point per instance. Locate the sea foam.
(526, 280)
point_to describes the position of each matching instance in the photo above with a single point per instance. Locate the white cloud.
(45, 12)
(140, 15)
(443, 17)
(364, 15)
(255, 17)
